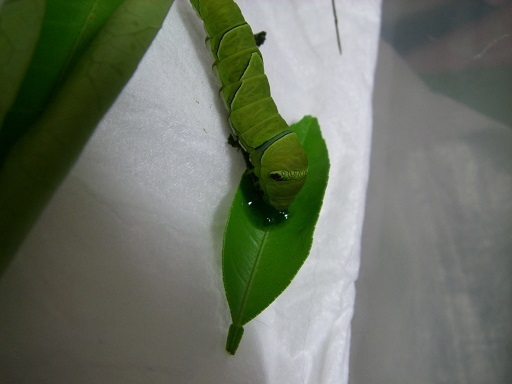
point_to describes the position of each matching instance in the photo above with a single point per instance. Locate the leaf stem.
(234, 337)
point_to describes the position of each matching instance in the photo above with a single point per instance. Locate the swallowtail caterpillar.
(274, 151)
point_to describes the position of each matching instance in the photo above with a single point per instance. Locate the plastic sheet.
(120, 280)
(433, 298)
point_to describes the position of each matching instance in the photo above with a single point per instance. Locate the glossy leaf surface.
(264, 249)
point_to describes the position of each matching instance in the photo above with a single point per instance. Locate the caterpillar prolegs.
(279, 161)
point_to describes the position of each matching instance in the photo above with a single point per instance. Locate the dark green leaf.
(67, 30)
(88, 81)
(263, 249)
(20, 27)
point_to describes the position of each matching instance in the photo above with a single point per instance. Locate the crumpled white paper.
(120, 280)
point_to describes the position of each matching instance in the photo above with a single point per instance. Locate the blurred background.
(459, 48)
(434, 294)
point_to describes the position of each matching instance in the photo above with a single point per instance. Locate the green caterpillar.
(274, 151)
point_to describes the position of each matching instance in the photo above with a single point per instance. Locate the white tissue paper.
(120, 280)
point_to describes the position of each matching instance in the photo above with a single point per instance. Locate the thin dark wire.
(336, 24)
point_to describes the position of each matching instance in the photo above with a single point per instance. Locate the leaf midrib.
(251, 279)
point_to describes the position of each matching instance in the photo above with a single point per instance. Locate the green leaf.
(67, 30)
(90, 74)
(20, 26)
(263, 249)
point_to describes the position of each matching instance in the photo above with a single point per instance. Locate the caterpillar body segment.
(279, 161)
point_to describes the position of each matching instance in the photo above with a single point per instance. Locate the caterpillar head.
(283, 171)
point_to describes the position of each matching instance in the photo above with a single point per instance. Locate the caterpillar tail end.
(234, 337)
